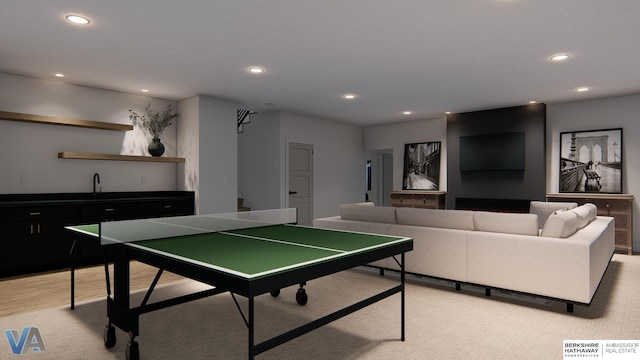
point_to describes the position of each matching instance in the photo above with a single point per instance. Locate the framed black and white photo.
(591, 161)
(421, 166)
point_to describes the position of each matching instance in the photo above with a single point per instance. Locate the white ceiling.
(424, 56)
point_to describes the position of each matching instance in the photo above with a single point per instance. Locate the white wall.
(616, 112)
(30, 149)
(218, 156)
(395, 136)
(188, 146)
(208, 141)
(339, 160)
(259, 162)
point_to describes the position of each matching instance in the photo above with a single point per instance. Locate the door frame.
(285, 190)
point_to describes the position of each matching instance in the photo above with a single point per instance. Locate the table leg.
(402, 311)
(73, 275)
(118, 311)
(250, 325)
(121, 289)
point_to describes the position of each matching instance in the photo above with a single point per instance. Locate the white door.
(301, 181)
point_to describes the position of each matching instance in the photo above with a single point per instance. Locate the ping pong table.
(246, 254)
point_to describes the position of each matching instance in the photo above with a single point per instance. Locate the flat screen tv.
(503, 151)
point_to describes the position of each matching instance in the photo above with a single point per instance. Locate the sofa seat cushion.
(544, 209)
(507, 223)
(562, 224)
(377, 214)
(448, 219)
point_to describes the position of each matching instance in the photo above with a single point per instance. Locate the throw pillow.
(560, 225)
(593, 211)
(583, 215)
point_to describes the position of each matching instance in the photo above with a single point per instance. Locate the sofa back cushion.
(584, 216)
(359, 212)
(449, 219)
(593, 211)
(562, 224)
(507, 223)
(544, 209)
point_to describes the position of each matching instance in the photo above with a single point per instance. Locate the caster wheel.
(109, 336)
(275, 293)
(132, 352)
(301, 297)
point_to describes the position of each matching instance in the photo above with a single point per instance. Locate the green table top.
(257, 252)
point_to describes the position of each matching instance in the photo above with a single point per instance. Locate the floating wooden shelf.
(90, 156)
(53, 120)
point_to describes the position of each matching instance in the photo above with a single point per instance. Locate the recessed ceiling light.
(77, 19)
(407, 112)
(447, 112)
(145, 90)
(58, 75)
(560, 57)
(583, 89)
(256, 70)
(349, 96)
(532, 102)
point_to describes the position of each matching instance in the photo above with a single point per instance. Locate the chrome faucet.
(96, 177)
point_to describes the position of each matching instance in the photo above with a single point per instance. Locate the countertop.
(42, 199)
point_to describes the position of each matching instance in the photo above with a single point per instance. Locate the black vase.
(155, 147)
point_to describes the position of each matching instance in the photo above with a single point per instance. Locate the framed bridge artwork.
(421, 166)
(591, 161)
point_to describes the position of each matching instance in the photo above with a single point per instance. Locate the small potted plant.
(154, 124)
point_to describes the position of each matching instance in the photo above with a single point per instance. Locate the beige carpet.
(441, 323)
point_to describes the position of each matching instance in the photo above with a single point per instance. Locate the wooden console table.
(619, 206)
(419, 199)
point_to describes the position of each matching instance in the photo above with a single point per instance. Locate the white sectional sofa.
(558, 250)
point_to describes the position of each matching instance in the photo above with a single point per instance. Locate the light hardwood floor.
(46, 290)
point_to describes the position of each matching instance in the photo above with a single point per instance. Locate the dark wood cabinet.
(34, 246)
(108, 211)
(162, 208)
(419, 199)
(32, 237)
